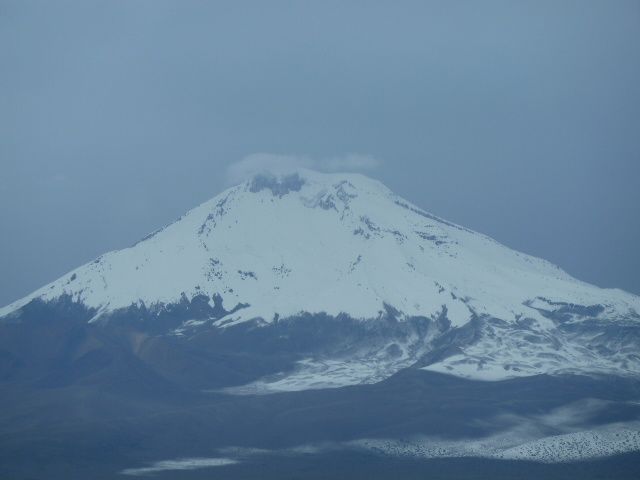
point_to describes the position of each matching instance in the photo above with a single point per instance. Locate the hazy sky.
(518, 119)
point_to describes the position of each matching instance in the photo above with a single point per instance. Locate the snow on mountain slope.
(279, 245)
(615, 439)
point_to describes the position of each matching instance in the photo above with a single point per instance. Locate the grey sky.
(517, 119)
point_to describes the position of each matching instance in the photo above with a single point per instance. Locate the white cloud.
(268, 162)
(264, 162)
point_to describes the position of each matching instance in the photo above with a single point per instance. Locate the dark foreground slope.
(79, 400)
(90, 432)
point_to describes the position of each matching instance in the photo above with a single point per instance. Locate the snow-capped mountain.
(421, 291)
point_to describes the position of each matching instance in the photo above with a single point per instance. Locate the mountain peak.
(283, 181)
(291, 243)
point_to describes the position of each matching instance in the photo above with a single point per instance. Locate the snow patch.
(179, 464)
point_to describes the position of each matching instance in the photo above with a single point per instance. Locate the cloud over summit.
(269, 162)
